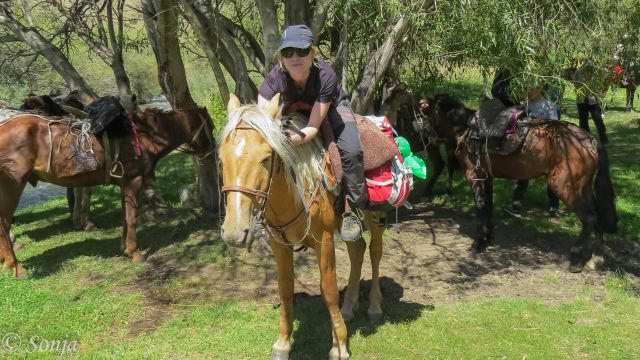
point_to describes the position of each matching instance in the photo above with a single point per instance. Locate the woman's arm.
(318, 114)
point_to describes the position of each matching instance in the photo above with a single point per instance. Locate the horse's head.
(446, 116)
(248, 162)
(202, 142)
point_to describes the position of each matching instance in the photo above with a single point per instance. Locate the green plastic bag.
(403, 146)
(417, 166)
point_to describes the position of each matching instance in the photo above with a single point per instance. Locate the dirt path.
(427, 260)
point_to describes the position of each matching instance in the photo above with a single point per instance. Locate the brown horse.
(79, 199)
(563, 152)
(28, 152)
(267, 180)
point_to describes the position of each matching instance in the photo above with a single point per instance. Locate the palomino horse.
(266, 179)
(563, 152)
(79, 199)
(27, 153)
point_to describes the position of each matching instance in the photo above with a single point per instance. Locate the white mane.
(303, 163)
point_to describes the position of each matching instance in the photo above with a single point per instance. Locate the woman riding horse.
(300, 77)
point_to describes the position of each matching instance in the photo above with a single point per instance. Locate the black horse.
(575, 164)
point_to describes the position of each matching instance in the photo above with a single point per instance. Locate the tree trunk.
(296, 12)
(117, 39)
(362, 96)
(37, 42)
(228, 53)
(270, 32)
(161, 22)
(201, 31)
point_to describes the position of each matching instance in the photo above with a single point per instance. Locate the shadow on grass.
(312, 338)
(151, 238)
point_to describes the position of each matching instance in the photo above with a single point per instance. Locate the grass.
(182, 303)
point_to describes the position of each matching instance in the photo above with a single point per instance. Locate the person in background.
(300, 77)
(589, 96)
(541, 108)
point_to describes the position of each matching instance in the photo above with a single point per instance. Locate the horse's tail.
(605, 196)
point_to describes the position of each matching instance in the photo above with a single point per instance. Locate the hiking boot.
(513, 211)
(553, 212)
(351, 228)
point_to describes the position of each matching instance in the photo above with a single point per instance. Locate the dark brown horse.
(28, 152)
(575, 165)
(407, 113)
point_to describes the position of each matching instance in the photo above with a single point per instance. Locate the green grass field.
(183, 303)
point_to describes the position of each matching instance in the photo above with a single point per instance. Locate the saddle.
(108, 121)
(376, 148)
(71, 148)
(502, 130)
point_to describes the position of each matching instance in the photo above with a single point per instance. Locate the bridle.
(276, 231)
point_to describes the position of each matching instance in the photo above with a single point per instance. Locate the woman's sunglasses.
(288, 52)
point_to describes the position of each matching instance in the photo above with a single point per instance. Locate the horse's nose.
(235, 237)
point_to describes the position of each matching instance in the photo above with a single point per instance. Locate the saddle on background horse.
(107, 120)
(501, 129)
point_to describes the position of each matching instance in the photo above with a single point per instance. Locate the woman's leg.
(596, 114)
(345, 130)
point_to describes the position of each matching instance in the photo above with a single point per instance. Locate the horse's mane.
(302, 163)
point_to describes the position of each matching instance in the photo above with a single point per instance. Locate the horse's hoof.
(480, 247)
(375, 318)
(20, 272)
(138, 258)
(90, 226)
(575, 269)
(337, 353)
(279, 355)
(595, 263)
(347, 316)
(18, 246)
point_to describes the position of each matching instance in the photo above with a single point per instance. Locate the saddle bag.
(390, 183)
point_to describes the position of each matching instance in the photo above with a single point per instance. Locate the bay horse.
(266, 179)
(78, 199)
(27, 153)
(575, 164)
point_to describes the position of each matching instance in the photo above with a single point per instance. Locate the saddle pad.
(376, 148)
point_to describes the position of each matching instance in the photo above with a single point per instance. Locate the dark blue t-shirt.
(322, 85)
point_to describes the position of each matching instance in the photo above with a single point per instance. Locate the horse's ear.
(233, 103)
(272, 107)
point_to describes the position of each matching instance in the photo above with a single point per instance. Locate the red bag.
(392, 182)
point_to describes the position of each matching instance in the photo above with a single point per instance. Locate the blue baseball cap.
(296, 36)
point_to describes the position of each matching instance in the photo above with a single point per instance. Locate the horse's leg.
(130, 200)
(483, 197)
(581, 202)
(434, 154)
(284, 260)
(326, 256)
(356, 255)
(86, 210)
(9, 196)
(77, 209)
(375, 253)
(451, 165)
